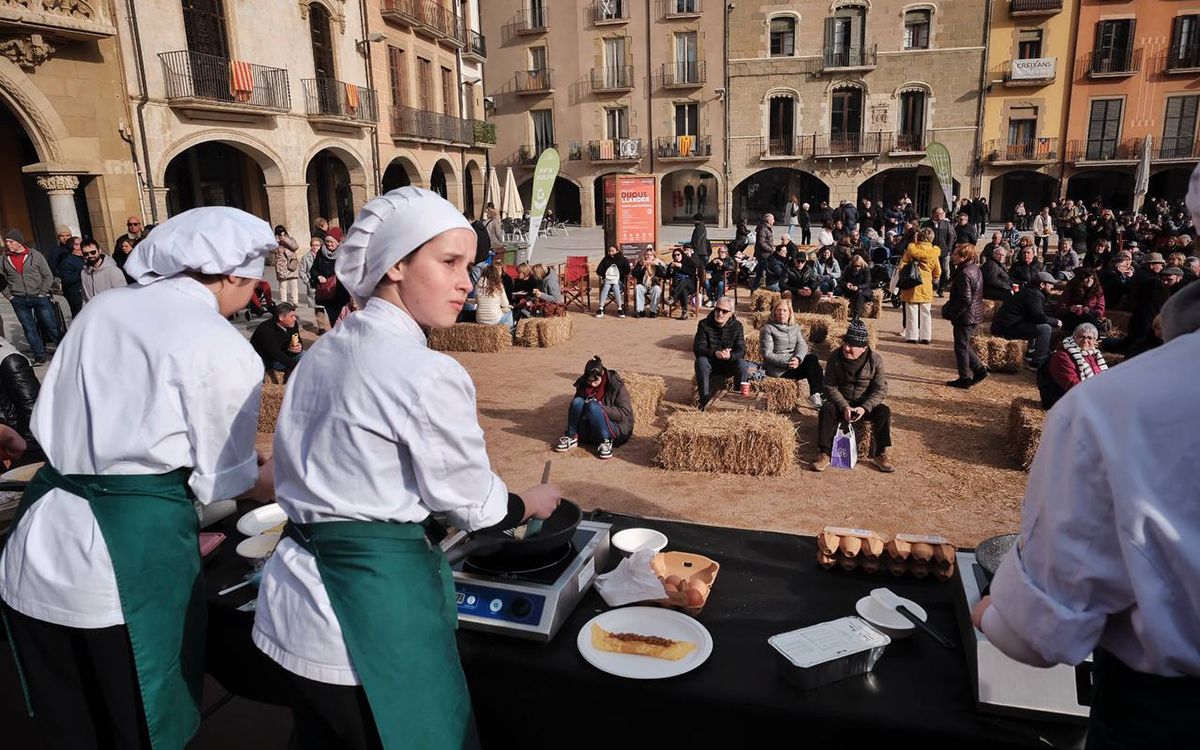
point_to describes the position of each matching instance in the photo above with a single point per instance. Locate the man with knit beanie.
(855, 386)
(29, 280)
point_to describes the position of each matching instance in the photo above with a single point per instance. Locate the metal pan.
(991, 551)
(495, 544)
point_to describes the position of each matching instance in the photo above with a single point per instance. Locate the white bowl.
(889, 621)
(634, 540)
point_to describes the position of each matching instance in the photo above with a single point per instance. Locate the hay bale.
(716, 383)
(753, 344)
(544, 332)
(268, 410)
(1025, 420)
(646, 392)
(805, 304)
(1119, 320)
(815, 327)
(755, 443)
(759, 319)
(470, 337)
(837, 308)
(874, 308)
(1000, 355)
(762, 300)
(990, 306)
(784, 395)
(1113, 359)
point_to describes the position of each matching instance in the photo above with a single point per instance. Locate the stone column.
(159, 197)
(587, 202)
(61, 189)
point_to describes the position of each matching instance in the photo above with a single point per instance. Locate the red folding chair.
(576, 281)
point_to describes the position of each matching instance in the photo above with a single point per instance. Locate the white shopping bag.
(845, 448)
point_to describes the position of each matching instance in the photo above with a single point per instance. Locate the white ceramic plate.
(258, 547)
(22, 473)
(891, 622)
(260, 519)
(665, 623)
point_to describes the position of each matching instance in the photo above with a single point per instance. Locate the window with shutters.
(845, 33)
(1022, 132)
(425, 85)
(543, 129)
(1114, 46)
(204, 27)
(469, 100)
(1185, 43)
(687, 118)
(448, 107)
(783, 36)
(1104, 128)
(1179, 128)
(322, 41)
(916, 29)
(398, 76)
(686, 57)
(1029, 44)
(615, 73)
(845, 123)
(537, 14)
(537, 58)
(911, 128)
(781, 126)
(616, 123)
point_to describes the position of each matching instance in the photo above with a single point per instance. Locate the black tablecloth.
(548, 696)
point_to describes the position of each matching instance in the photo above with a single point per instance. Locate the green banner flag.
(544, 175)
(939, 158)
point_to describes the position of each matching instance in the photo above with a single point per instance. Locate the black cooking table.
(546, 695)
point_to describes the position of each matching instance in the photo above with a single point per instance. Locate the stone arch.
(913, 86)
(473, 188)
(33, 110)
(680, 191)
(837, 5)
(780, 91)
(355, 164)
(449, 179)
(401, 171)
(847, 83)
(266, 158)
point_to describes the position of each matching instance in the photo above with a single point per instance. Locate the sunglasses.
(92, 254)
(134, 224)
(722, 311)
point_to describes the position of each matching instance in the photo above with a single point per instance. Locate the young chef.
(376, 432)
(151, 401)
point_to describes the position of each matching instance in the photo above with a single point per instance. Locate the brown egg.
(671, 588)
(898, 549)
(675, 581)
(943, 552)
(695, 598)
(872, 547)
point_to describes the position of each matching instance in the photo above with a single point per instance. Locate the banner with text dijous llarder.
(544, 175)
(939, 158)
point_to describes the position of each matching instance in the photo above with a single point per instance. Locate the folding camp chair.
(576, 281)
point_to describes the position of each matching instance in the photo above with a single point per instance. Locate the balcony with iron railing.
(1182, 58)
(1112, 62)
(338, 102)
(1177, 149)
(610, 12)
(1034, 7)
(612, 78)
(684, 74)
(532, 82)
(198, 81)
(1104, 150)
(531, 20)
(841, 58)
(681, 8)
(1036, 150)
(683, 147)
(851, 144)
(786, 147)
(615, 150)
(476, 48)
(527, 155)
(401, 12)
(908, 143)
(422, 124)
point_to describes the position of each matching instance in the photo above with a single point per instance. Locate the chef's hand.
(541, 500)
(977, 612)
(12, 445)
(264, 487)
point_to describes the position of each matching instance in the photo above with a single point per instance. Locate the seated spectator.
(785, 351)
(855, 285)
(1191, 269)
(648, 274)
(996, 241)
(827, 270)
(549, 288)
(786, 243)
(964, 310)
(684, 276)
(1009, 235)
(1150, 267)
(543, 287)
(1065, 261)
(720, 348)
(996, 282)
(600, 414)
(714, 284)
(800, 282)
(776, 265)
(100, 272)
(1025, 267)
(1024, 317)
(855, 386)
(492, 307)
(19, 387)
(1082, 301)
(1117, 280)
(613, 271)
(1145, 304)
(1077, 359)
(1098, 255)
(277, 340)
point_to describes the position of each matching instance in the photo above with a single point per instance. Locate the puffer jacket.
(19, 388)
(928, 259)
(287, 259)
(618, 407)
(965, 307)
(781, 342)
(859, 382)
(712, 338)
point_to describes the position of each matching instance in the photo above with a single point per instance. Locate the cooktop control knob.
(521, 607)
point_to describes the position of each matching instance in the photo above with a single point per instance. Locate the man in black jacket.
(996, 283)
(943, 238)
(277, 340)
(1024, 317)
(720, 347)
(19, 388)
(965, 232)
(700, 241)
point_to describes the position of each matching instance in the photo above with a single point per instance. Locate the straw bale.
(554, 331)
(716, 384)
(760, 319)
(837, 308)
(762, 300)
(815, 327)
(784, 395)
(1025, 420)
(753, 344)
(742, 442)
(805, 304)
(990, 306)
(646, 392)
(470, 337)
(268, 410)
(874, 308)
(1119, 319)
(1000, 355)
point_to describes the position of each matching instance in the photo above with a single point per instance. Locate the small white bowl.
(888, 621)
(634, 540)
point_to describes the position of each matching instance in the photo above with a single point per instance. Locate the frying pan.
(991, 551)
(494, 543)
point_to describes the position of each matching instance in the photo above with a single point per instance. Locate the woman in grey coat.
(785, 352)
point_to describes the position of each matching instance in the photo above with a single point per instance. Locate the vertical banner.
(939, 158)
(544, 175)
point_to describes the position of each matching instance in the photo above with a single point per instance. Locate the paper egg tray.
(872, 554)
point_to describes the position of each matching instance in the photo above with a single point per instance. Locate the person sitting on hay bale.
(277, 341)
(601, 412)
(855, 285)
(1025, 267)
(855, 386)
(648, 274)
(785, 352)
(720, 347)
(545, 298)
(1082, 301)
(491, 303)
(776, 269)
(613, 271)
(801, 283)
(1077, 359)
(1024, 317)
(997, 285)
(1146, 303)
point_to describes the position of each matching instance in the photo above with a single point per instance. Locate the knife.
(535, 524)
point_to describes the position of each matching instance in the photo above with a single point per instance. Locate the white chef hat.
(1193, 197)
(387, 229)
(211, 240)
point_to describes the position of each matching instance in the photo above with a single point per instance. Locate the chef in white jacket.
(151, 402)
(376, 432)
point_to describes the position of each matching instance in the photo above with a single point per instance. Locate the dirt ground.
(953, 476)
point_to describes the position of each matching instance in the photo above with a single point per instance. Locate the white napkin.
(632, 581)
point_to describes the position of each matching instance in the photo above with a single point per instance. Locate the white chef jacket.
(147, 380)
(1109, 550)
(375, 426)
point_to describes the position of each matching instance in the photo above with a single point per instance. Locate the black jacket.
(801, 278)
(1023, 274)
(965, 307)
(700, 241)
(712, 338)
(776, 270)
(657, 273)
(620, 261)
(19, 388)
(943, 234)
(1026, 306)
(271, 343)
(618, 407)
(965, 234)
(70, 269)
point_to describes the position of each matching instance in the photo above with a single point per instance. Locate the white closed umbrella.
(1141, 182)
(513, 207)
(493, 189)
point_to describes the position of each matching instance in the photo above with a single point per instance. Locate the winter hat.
(15, 234)
(857, 334)
(1044, 278)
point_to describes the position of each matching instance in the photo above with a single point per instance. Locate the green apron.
(150, 528)
(393, 595)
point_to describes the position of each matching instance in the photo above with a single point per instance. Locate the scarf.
(1082, 366)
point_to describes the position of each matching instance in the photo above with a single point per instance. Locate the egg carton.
(907, 554)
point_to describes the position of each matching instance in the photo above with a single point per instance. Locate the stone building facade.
(837, 101)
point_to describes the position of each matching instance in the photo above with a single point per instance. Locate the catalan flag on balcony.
(606, 150)
(241, 81)
(352, 102)
(685, 143)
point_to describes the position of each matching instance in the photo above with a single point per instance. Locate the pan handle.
(474, 545)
